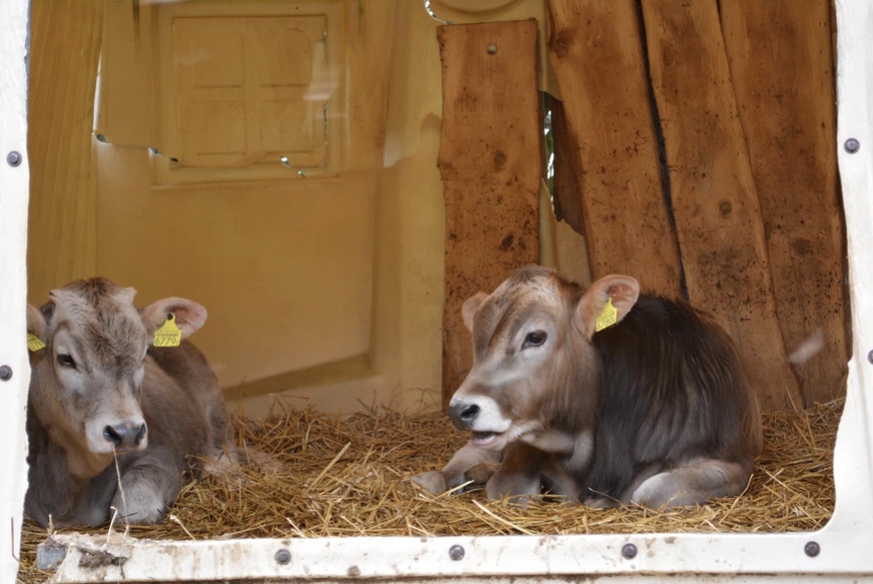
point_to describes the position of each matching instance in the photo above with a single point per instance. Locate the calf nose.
(127, 435)
(463, 415)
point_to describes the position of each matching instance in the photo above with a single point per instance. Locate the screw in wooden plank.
(812, 549)
(13, 158)
(5, 373)
(629, 551)
(456, 552)
(492, 49)
(852, 145)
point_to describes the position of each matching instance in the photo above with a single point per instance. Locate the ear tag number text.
(34, 343)
(169, 334)
(607, 318)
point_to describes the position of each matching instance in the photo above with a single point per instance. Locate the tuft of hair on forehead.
(537, 279)
(94, 292)
(102, 313)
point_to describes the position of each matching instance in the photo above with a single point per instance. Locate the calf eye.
(534, 339)
(66, 361)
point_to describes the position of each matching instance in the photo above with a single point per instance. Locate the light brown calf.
(652, 409)
(99, 388)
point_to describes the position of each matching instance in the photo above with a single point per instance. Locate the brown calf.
(99, 388)
(651, 410)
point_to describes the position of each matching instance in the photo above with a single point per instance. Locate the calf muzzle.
(125, 436)
(463, 415)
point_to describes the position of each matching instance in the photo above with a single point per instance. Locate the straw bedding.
(348, 476)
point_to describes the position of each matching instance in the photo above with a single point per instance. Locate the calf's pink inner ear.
(190, 316)
(624, 292)
(471, 306)
(35, 321)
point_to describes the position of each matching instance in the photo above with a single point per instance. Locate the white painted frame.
(14, 182)
(846, 542)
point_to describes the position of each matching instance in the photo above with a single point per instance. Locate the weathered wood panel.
(597, 53)
(780, 54)
(715, 203)
(490, 162)
(65, 48)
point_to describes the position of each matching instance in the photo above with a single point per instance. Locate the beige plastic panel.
(242, 90)
(284, 264)
(329, 287)
(233, 91)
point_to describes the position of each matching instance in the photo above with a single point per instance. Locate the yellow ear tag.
(34, 343)
(607, 318)
(168, 335)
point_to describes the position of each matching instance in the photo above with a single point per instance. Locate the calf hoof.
(663, 490)
(602, 503)
(522, 501)
(141, 509)
(265, 463)
(517, 489)
(433, 482)
(227, 472)
(482, 473)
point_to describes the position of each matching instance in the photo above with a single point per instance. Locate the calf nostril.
(112, 435)
(469, 413)
(141, 434)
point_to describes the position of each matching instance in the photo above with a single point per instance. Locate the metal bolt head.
(5, 373)
(725, 207)
(13, 158)
(456, 552)
(870, 356)
(283, 556)
(812, 549)
(492, 49)
(629, 551)
(852, 145)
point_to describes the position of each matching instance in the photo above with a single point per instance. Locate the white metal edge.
(14, 183)
(853, 456)
(846, 542)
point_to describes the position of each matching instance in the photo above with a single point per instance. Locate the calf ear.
(35, 321)
(623, 290)
(471, 306)
(190, 316)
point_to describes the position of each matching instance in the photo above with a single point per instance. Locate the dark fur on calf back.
(672, 391)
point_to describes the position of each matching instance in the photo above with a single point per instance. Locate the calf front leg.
(692, 484)
(148, 490)
(454, 474)
(520, 474)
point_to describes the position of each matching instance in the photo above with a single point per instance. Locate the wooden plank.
(63, 236)
(490, 162)
(780, 55)
(715, 203)
(596, 51)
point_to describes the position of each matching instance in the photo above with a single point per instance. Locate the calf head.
(535, 371)
(86, 382)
